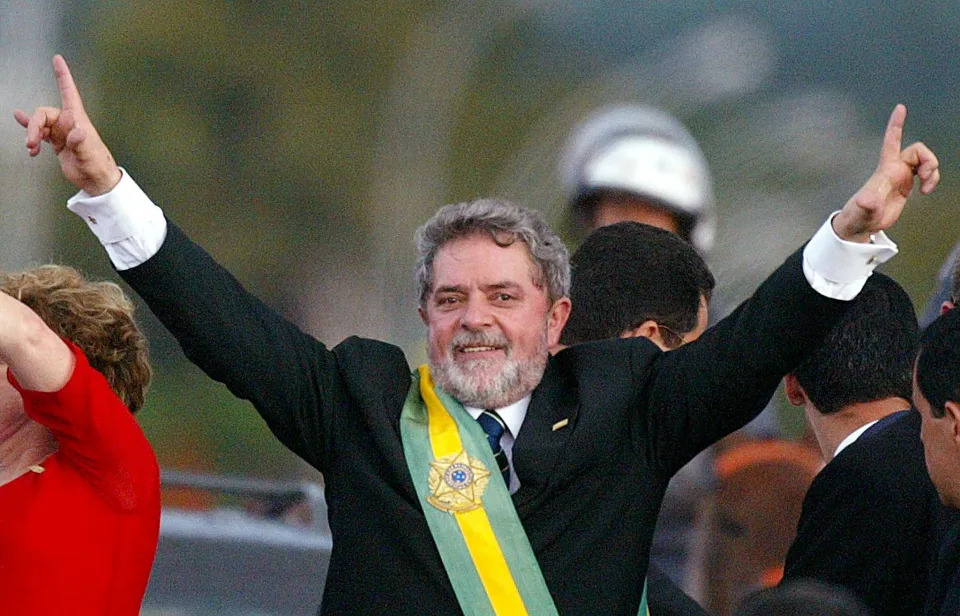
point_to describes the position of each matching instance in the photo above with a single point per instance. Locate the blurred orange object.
(752, 517)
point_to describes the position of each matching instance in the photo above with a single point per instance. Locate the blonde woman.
(79, 484)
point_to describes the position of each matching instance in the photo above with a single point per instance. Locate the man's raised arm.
(230, 334)
(735, 367)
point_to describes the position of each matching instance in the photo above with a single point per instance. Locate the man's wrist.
(127, 223)
(849, 232)
(838, 268)
(104, 183)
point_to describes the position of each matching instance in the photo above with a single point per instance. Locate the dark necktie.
(494, 427)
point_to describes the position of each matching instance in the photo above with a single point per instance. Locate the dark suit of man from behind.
(936, 397)
(604, 425)
(630, 279)
(869, 520)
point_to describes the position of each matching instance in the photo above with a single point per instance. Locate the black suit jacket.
(870, 520)
(590, 491)
(944, 597)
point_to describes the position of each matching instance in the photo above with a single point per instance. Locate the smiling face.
(489, 325)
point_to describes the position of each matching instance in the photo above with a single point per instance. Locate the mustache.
(494, 339)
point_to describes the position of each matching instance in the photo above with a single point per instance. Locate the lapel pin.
(560, 424)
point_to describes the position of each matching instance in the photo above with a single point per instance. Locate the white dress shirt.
(853, 436)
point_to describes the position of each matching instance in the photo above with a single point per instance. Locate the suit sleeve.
(98, 436)
(290, 377)
(704, 390)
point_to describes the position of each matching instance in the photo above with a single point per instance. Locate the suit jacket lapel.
(538, 446)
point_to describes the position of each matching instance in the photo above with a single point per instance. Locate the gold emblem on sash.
(457, 483)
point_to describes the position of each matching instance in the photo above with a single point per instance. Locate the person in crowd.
(79, 483)
(936, 397)
(496, 478)
(947, 293)
(641, 164)
(870, 519)
(631, 279)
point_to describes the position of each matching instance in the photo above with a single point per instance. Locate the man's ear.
(647, 329)
(946, 307)
(952, 412)
(556, 319)
(423, 315)
(795, 393)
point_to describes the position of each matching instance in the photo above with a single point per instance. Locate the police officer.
(634, 163)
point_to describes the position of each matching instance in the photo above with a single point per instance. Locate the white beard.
(472, 383)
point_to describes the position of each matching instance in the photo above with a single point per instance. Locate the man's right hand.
(84, 158)
(879, 203)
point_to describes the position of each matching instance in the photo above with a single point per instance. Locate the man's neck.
(29, 445)
(831, 429)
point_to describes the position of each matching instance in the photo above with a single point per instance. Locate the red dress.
(79, 538)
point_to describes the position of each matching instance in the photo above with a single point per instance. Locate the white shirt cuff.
(125, 220)
(837, 268)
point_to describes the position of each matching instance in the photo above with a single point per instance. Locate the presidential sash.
(468, 509)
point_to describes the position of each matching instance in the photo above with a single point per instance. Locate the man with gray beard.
(483, 383)
(585, 441)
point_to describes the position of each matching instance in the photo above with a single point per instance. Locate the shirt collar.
(853, 436)
(512, 415)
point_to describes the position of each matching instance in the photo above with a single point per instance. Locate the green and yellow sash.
(474, 524)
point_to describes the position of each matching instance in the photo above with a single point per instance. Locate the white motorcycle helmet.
(645, 152)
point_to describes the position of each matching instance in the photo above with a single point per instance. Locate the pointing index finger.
(68, 89)
(893, 137)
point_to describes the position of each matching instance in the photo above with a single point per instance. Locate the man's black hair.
(938, 364)
(628, 273)
(868, 355)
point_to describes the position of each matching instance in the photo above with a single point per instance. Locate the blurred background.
(301, 143)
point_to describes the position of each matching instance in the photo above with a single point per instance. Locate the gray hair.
(505, 223)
